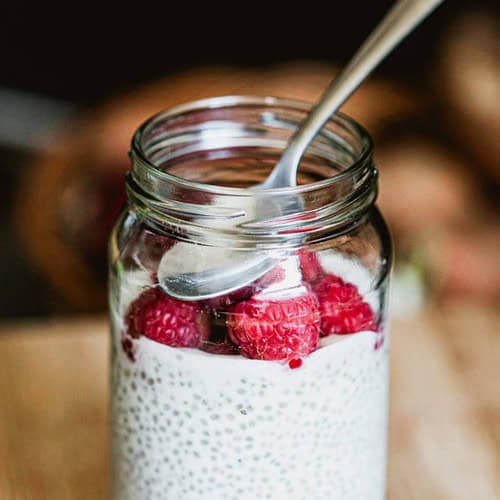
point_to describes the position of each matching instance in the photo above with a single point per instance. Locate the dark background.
(83, 53)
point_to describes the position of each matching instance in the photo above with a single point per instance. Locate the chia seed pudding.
(191, 424)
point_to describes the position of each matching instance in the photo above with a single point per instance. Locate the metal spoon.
(242, 270)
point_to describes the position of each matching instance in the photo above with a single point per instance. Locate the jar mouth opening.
(141, 139)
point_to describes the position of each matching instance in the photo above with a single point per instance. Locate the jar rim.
(310, 211)
(229, 101)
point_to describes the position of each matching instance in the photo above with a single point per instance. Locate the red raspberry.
(342, 308)
(310, 267)
(295, 363)
(168, 321)
(280, 329)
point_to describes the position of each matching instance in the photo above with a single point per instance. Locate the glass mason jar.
(277, 388)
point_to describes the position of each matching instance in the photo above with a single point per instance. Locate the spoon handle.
(398, 22)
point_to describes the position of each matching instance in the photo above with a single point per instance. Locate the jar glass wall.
(279, 387)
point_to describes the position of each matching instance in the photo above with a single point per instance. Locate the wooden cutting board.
(445, 408)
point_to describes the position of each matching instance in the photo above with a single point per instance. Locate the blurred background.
(75, 84)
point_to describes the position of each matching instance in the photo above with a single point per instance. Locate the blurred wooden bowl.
(68, 198)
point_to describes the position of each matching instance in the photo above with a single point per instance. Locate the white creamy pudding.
(190, 425)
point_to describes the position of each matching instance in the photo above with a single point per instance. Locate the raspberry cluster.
(256, 324)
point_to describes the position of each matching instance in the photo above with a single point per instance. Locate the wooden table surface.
(445, 408)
